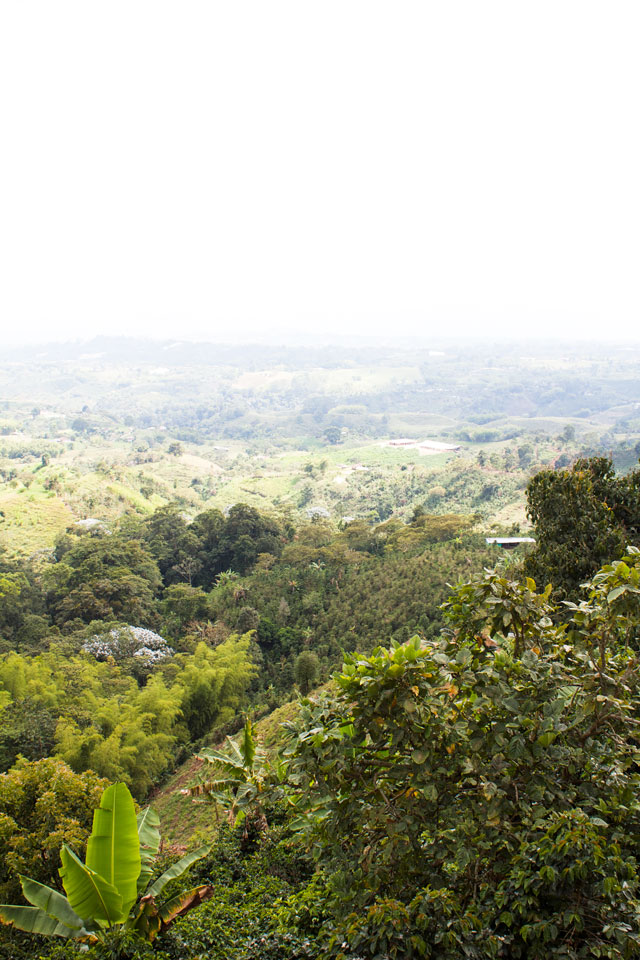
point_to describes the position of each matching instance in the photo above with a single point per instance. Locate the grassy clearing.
(32, 520)
(382, 455)
(269, 729)
(182, 821)
(509, 514)
(375, 454)
(419, 425)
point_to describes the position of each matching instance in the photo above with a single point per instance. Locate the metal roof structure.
(508, 543)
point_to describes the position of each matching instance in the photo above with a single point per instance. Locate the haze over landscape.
(319, 480)
(225, 171)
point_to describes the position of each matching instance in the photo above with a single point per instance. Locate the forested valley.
(267, 687)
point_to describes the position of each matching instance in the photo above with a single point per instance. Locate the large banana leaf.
(229, 762)
(148, 833)
(53, 903)
(113, 850)
(183, 902)
(149, 837)
(35, 920)
(176, 870)
(248, 748)
(90, 896)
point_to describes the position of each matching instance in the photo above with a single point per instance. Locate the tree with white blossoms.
(127, 641)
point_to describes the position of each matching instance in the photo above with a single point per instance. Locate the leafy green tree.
(172, 542)
(475, 795)
(43, 805)
(131, 737)
(22, 607)
(248, 619)
(246, 534)
(333, 435)
(103, 577)
(11, 586)
(608, 617)
(306, 495)
(208, 527)
(121, 596)
(509, 460)
(213, 683)
(305, 670)
(495, 604)
(27, 728)
(582, 518)
(525, 455)
(429, 528)
(183, 604)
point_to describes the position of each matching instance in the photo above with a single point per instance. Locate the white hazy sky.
(213, 169)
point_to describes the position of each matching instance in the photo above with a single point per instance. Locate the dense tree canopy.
(43, 804)
(103, 576)
(428, 795)
(99, 718)
(582, 517)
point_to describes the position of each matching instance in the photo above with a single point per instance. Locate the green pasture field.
(98, 477)
(32, 519)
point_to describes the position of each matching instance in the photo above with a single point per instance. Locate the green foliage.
(248, 533)
(106, 722)
(424, 788)
(324, 592)
(100, 894)
(346, 591)
(243, 918)
(102, 576)
(113, 850)
(173, 544)
(582, 518)
(21, 607)
(425, 529)
(43, 805)
(494, 604)
(241, 781)
(198, 552)
(607, 620)
(27, 729)
(305, 670)
(183, 604)
(147, 823)
(213, 683)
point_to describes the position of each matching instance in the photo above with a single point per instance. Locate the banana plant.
(114, 887)
(241, 780)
